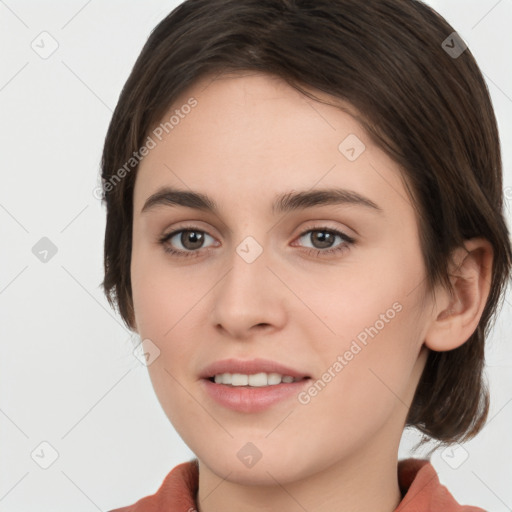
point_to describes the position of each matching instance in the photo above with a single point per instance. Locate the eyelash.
(186, 254)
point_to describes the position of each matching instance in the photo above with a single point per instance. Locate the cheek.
(162, 296)
(372, 341)
(365, 384)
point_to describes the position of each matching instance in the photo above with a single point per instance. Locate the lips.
(255, 397)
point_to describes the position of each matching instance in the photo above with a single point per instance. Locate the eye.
(190, 238)
(323, 239)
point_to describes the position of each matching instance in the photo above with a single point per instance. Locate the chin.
(262, 473)
(277, 465)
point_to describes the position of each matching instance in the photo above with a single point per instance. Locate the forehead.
(252, 134)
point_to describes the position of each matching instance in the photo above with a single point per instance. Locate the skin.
(249, 138)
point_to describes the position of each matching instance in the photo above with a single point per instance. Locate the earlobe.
(456, 315)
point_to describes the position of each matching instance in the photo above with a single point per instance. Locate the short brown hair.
(427, 108)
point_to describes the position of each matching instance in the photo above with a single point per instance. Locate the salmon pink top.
(417, 478)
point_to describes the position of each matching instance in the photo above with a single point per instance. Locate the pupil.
(325, 238)
(191, 239)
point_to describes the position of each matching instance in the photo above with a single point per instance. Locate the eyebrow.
(284, 203)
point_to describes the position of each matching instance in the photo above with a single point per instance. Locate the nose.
(250, 298)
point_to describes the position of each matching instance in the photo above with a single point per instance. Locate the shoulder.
(177, 492)
(423, 492)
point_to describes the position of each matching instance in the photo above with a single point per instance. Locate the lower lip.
(255, 399)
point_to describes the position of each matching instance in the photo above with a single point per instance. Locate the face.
(327, 289)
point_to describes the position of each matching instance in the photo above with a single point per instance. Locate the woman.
(305, 227)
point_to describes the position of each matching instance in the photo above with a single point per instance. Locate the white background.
(68, 375)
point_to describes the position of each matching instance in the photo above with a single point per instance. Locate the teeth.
(238, 379)
(274, 378)
(254, 380)
(223, 378)
(258, 379)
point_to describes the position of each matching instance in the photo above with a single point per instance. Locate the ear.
(456, 315)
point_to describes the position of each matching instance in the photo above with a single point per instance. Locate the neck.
(365, 481)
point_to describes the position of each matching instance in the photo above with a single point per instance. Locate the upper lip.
(249, 367)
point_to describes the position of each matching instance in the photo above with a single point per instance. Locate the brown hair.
(427, 108)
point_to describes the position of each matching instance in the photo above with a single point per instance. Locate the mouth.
(251, 386)
(252, 373)
(254, 380)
